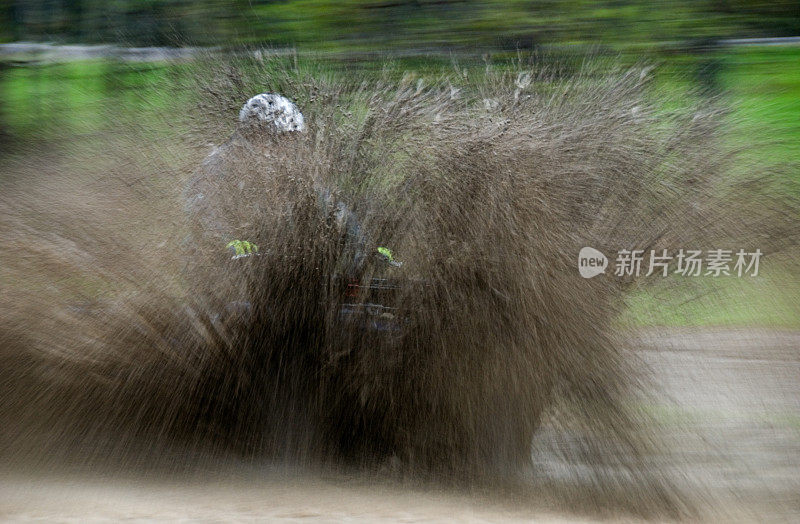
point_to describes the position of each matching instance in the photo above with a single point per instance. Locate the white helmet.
(276, 111)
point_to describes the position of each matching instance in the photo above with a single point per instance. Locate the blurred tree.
(404, 23)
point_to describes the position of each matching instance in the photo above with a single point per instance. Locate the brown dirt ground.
(727, 407)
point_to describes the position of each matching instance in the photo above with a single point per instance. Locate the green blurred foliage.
(363, 24)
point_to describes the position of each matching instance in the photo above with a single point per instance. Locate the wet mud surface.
(725, 406)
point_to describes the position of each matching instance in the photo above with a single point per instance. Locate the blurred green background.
(702, 46)
(695, 43)
(349, 24)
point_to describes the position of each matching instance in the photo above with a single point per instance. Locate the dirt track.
(732, 417)
(729, 412)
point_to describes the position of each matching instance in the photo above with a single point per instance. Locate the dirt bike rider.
(262, 115)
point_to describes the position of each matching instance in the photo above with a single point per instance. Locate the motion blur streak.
(486, 186)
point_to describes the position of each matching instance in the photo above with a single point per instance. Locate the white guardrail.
(47, 52)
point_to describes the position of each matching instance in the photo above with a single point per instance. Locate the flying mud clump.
(379, 271)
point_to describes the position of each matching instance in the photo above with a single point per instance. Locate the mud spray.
(485, 184)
